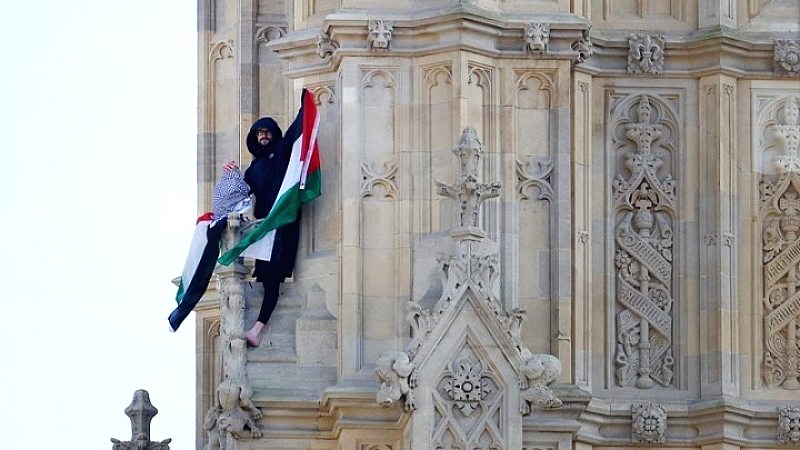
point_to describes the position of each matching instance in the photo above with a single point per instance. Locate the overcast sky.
(97, 143)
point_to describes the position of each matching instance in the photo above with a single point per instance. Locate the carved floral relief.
(789, 425)
(644, 204)
(787, 57)
(649, 423)
(645, 54)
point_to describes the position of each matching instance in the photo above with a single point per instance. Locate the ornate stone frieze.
(325, 45)
(373, 180)
(535, 377)
(141, 413)
(468, 401)
(537, 37)
(649, 423)
(535, 181)
(645, 54)
(780, 223)
(789, 425)
(395, 372)
(583, 48)
(467, 192)
(644, 198)
(787, 57)
(380, 35)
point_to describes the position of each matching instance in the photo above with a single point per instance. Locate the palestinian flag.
(199, 267)
(300, 185)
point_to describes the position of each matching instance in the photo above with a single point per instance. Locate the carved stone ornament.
(468, 400)
(644, 197)
(396, 375)
(780, 224)
(325, 45)
(645, 54)
(537, 37)
(380, 35)
(583, 48)
(141, 413)
(789, 425)
(374, 181)
(234, 415)
(535, 377)
(787, 57)
(649, 423)
(535, 180)
(467, 192)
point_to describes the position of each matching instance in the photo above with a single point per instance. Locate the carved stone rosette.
(645, 54)
(644, 204)
(780, 224)
(467, 401)
(787, 57)
(789, 425)
(649, 423)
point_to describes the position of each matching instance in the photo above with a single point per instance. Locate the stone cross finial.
(141, 412)
(467, 192)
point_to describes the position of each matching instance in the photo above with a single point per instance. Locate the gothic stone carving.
(380, 35)
(325, 45)
(396, 374)
(780, 216)
(535, 180)
(583, 48)
(789, 425)
(234, 415)
(535, 377)
(649, 423)
(467, 401)
(645, 54)
(537, 37)
(787, 57)
(644, 197)
(372, 180)
(467, 192)
(141, 413)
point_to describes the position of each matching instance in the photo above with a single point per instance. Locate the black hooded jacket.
(264, 176)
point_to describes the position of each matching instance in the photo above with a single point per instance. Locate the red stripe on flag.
(309, 150)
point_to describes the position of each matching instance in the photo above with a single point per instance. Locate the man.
(264, 176)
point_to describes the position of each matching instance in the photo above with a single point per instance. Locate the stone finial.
(787, 57)
(537, 37)
(467, 192)
(380, 35)
(649, 423)
(395, 372)
(789, 425)
(141, 412)
(645, 54)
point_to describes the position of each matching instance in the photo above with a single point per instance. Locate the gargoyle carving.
(395, 372)
(233, 415)
(536, 374)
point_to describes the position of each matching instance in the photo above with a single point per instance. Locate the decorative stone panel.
(645, 54)
(644, 203)
(649, 423)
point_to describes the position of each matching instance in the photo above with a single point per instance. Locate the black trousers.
(272, 283)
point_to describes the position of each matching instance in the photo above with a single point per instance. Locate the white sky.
(97, 145)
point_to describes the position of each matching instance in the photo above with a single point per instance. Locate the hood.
(252, 144)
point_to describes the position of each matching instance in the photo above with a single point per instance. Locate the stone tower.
(611, 258)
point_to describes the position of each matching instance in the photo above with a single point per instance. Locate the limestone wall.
(647, 153)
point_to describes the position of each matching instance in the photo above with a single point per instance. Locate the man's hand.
(230, 166)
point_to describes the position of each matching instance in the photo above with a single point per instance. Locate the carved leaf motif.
(372, 179)
(533, 180)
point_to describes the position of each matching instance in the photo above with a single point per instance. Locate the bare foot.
(253, 336)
